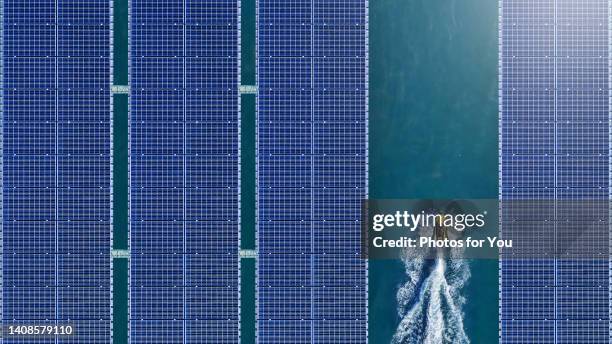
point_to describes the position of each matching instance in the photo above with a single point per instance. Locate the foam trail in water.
(430, 302)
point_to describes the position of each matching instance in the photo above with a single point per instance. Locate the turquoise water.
(433, 131)
(120, 171)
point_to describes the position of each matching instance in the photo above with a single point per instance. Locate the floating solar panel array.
(555, 125)
(311, 170)
(57, 225)
(184, 171)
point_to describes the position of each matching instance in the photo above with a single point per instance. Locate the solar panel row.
(184, 158)
(554, 91)
(184, 171)
(57, 225)
(311, 170)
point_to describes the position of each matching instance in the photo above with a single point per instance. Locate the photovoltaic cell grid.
(311, 170)
(56, 229)
(184, 171)
(554, 146)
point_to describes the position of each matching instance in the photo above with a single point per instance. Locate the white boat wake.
(430, 302)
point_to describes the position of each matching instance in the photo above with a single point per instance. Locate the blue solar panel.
(57, 114)
(554, 92)
(311, 170)
(184, 171)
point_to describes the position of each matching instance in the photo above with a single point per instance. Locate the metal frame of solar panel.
(57, 143)
(184, 171)
(554, 138)
(312, 103)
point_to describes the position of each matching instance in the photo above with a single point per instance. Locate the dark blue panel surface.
(184, 171)
(57, 145)
(554, 136)
(311, 171)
